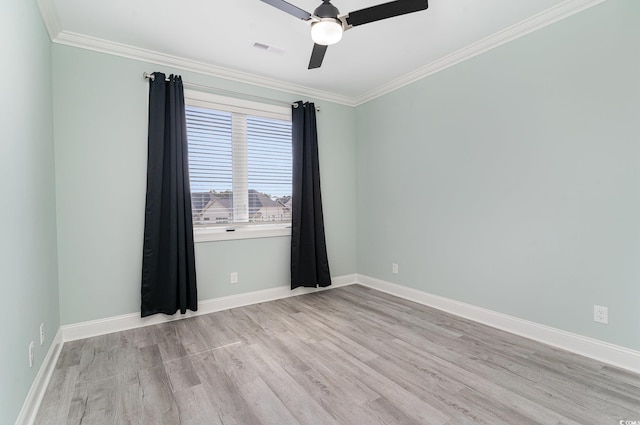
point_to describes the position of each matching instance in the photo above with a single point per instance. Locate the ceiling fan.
(327, 25)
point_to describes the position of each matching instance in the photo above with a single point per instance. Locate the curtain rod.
(151, 77)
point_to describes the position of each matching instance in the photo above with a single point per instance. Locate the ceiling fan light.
(326, 32)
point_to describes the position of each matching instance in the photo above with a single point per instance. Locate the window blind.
(269, 169)
(239, 166)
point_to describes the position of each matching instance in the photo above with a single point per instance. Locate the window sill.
(212, 234)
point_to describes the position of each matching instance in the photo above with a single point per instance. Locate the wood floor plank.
(493, 412)
(189, 335)
(351, 355)
(325, 371)
(265, 404)
(105, 356)
(158, 406)
(195, 408)
(413, 406)
(181, 374)
(213, 333)
(70, 355)
(337, 401)
(148, 357)
(301, 404)
(439, 393)
(288, 358)
(55, 405)
(320, 331)
(222, 391)
(388, 413)
(168, 340)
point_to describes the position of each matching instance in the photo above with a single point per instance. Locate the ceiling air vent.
(267, 48)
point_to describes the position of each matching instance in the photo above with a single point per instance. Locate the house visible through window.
(239, 162)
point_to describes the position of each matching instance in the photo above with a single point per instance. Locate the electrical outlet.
(601, 314)
(234, 277)
(394, 268)
(31, 354)
(41, 333)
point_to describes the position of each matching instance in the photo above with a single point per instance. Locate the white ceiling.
(369, 60)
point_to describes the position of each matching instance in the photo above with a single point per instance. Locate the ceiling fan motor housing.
(326, 10)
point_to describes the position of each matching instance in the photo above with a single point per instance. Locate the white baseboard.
(36, 393)
(130, 321)
(588, 347)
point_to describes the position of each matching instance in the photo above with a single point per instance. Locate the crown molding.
(131, 52)
(541, 20)
(536, 22)
(50, 18)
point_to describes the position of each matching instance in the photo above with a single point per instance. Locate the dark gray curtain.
(168, 263)
(309, 263)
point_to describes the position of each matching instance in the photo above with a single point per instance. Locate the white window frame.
(229, 104)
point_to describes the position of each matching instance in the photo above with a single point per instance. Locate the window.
(239, 167)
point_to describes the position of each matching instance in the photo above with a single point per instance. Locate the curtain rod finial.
(304, 105)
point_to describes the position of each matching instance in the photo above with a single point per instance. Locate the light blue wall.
(28, 268)
(512, 181)
(100, 104)
(509, 181)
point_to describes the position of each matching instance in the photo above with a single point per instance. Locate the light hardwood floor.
(350, 355)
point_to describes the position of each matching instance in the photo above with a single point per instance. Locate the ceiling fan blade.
(317, 55)
(385, 10)
(290, 9)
